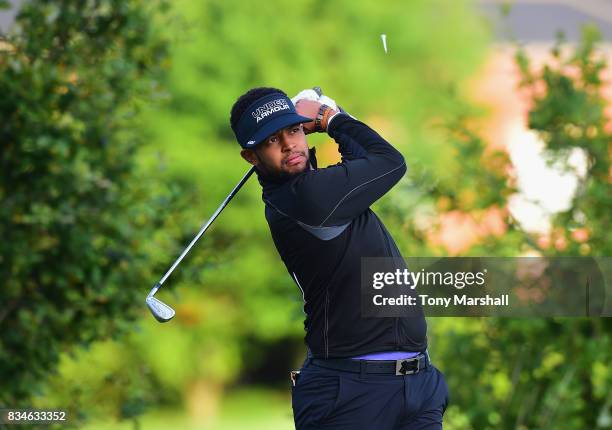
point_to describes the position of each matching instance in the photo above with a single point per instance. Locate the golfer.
(360, 373)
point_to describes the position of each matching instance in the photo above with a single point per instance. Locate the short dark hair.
(246, 99)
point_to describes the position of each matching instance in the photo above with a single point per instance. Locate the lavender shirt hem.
(387, 355)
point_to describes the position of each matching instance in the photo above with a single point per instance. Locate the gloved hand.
(309, 104)
(310, 94)
(307, 94)
(328, 101)
(320, 113)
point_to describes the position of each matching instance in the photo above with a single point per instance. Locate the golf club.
(161, 311)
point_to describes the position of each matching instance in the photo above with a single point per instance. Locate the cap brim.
(275, 125)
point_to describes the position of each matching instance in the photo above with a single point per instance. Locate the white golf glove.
(328, 101)
(310, 94)
(307, 94)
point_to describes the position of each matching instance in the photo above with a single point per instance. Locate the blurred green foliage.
(76, 211)
(569, 116)
(548, 372)
(237, 309)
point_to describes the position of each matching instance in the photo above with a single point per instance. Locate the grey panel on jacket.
(324, 233)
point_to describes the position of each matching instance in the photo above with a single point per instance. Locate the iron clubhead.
(161, 311)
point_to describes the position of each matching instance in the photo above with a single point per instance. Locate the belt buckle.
(400, 366)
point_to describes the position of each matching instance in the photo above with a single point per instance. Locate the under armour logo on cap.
(269, 108)
(264, 117)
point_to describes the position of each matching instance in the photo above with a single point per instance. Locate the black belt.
(405, 366)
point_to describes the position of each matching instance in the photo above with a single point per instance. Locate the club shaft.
(205, 227)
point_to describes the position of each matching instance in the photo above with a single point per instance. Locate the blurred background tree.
(568, 114)
(548, 372)
(76, 211)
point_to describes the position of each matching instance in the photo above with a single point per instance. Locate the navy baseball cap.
(265, 116)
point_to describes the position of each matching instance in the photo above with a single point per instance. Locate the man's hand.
(309, 109)
(307, 94)
(311, 94)
(314, 110)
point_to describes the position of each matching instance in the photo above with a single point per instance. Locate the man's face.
(283, 154)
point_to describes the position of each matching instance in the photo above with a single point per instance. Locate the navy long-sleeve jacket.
(322, 226)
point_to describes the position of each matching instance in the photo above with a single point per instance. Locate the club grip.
(318, 91)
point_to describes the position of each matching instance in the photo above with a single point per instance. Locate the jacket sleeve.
(335, 195)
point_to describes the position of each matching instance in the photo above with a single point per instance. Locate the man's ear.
(250, 156)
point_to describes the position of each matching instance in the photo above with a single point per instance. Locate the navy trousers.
(329, 399)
